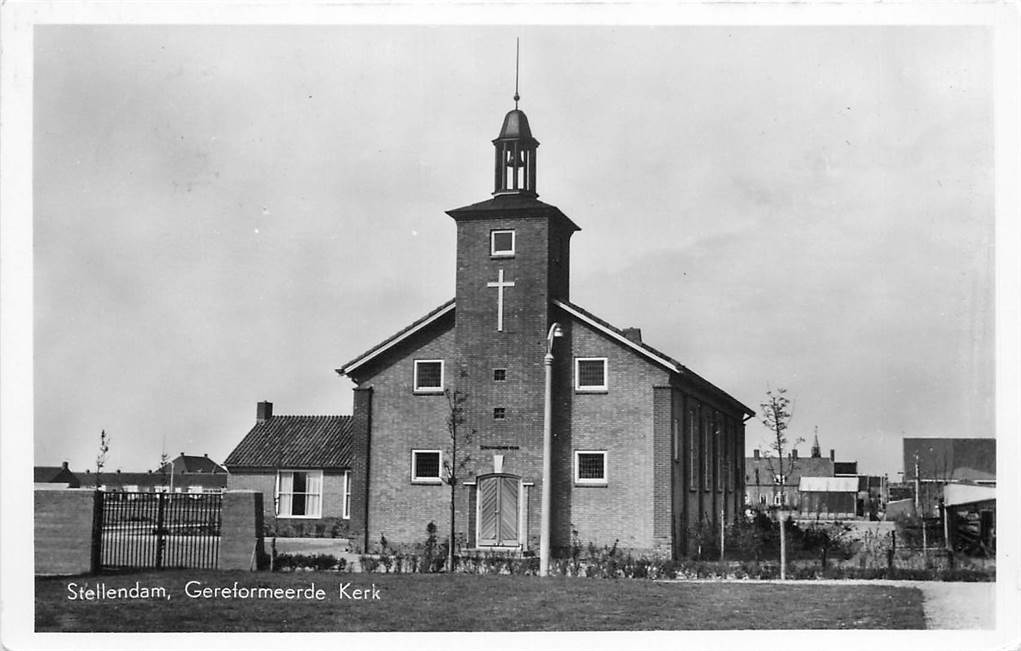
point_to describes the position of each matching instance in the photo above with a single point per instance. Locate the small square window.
(501, 243)
(590, 467)
(590, 374)
(428, 375)
(499, 374)
(499, 413)
(425, 466)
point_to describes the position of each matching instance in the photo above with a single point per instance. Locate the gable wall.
(401, 422)
(619, 421)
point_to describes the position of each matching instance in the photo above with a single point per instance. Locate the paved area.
(958, 605)
(947, 604)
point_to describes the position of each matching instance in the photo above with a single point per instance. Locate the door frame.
(522, 511)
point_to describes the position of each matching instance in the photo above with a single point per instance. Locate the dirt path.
(958, 605)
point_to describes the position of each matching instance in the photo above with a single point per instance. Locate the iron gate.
(156, 530)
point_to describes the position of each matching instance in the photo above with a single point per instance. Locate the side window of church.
(299, 493)
(501, 244)
(590, 467)
(428, 375)
(425, 466)
(590, 374)
(692, 450)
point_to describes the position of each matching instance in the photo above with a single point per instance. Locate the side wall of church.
(708, 471)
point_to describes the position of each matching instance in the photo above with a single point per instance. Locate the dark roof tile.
(295, 442)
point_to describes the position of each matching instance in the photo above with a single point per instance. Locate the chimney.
(794, 453)
(63, 466)
(756, 453)
(833, 454)
(263, 411)
(633, 334)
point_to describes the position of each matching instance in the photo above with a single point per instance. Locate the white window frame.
(591, 388)
(427, 480)
(346, 508)
(318, 513)
(588, 481)
(492, 243)
(419, 389)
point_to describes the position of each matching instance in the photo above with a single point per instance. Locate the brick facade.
(639, 422)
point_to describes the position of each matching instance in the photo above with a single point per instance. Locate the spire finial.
(517, 60)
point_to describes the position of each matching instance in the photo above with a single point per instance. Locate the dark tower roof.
(515, 127)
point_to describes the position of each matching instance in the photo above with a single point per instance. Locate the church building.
(644, 450)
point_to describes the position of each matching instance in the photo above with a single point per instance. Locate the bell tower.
(513, 258)
(515, 156)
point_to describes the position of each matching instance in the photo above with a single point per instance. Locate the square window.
(590, 467)
(499, 413)
(299, 493)
(499, 374)
(590, 374)
(501, 243)
(428, 375)
(425, 466)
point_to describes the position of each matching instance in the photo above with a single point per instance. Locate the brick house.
(55, 475)
(302, 465)
(644, 450)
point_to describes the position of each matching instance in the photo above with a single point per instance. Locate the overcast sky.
(226, 214)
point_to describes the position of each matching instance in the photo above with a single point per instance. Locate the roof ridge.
(309, 416)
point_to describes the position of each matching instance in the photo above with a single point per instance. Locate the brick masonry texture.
(645, 503)
(63, 531)
(241, 542)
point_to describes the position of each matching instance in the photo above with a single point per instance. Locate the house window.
(501, 243)
(590, 373)
(299, 493)
(590, 467)
(499, 374)
(499, 413)
(762, 499)
(346, 514)
(428, 375)
(425, 466)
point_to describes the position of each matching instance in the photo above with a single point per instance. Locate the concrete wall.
(63, 531)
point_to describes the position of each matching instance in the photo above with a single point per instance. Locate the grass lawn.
(438, 602)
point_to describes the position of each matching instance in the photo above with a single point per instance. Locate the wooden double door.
(499, 510)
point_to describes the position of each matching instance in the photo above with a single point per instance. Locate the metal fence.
(157, 530)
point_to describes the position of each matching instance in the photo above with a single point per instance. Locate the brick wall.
(403, 421)
(621, 422)
(63, 531)
(241, 542)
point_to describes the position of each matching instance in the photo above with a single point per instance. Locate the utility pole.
(723, 531)
(547, 451)
(921, 512)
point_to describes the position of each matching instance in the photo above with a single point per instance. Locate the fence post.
(97, 532)
(159, 529)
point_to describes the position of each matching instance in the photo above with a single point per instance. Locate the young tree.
(456, 464)
(776, 417)
(104, 447)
